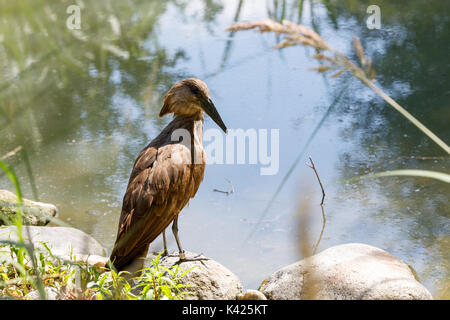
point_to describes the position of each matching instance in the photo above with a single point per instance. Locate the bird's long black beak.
(210, 109)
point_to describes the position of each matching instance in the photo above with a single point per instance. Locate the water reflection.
(83, 105)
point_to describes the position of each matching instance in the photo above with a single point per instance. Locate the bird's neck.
(192, 126)
(192, 123)
(198, 115)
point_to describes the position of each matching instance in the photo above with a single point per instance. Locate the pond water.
(83, 103)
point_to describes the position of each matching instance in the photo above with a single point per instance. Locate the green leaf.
(407, 172)
(165, 289)
(188, 270)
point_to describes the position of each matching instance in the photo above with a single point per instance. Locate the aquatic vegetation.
(24, 268)
(334, 62)
(297, 34)
(20, 274)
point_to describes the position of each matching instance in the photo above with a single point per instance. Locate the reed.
(333, 60)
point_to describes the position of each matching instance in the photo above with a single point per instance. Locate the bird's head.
(190, 97)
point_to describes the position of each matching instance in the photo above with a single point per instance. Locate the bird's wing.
(161, 184)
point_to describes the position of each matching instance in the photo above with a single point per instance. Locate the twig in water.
(299, 157)
(226, 192)
(312, 166)
(324, 220)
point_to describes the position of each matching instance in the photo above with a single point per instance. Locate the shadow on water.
(83, 103)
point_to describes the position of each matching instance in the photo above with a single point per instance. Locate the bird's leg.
(165, 252)
(175, 233)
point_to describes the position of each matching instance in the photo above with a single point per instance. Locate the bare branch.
(312, 166)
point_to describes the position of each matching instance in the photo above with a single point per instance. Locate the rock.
(92, 260)
(34, 213)
(349, 271)
(252, 295)
(209, 279)
(62, 241)
(50, 292)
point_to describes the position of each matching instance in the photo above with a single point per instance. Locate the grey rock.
(209, 279)
(62, 241)
(348, 271)
(34, 213)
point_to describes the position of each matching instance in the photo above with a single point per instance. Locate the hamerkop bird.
(165, 175)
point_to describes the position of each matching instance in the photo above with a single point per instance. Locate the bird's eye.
(195, 91)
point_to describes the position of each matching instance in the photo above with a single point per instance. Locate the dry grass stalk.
(11, 153)
(298, 34)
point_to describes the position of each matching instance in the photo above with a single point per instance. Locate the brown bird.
(165, 175)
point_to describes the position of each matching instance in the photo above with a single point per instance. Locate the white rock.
(209, 279)
(34, 213)
(99, 262)
(349, 271)
(252, 295)
(61, 240)
(50, 292)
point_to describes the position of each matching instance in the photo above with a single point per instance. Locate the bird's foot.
(198, 257)
(182, 255)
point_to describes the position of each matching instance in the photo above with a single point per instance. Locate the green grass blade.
(444, 177)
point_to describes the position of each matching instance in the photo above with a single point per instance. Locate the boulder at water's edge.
(349, 271)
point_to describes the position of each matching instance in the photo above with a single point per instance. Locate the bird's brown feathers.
(166, 174)
(158, 189)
